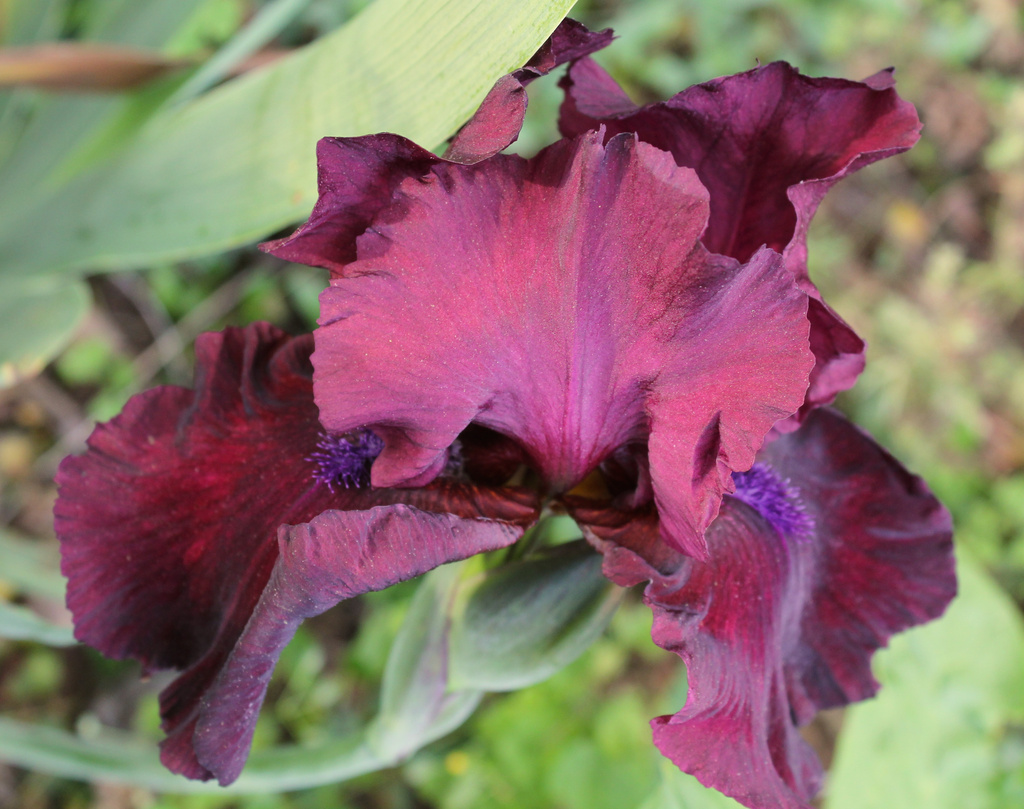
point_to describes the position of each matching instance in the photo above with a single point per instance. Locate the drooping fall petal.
(338, 555)
(885, 557)
(767, 144)
(796, 596)
(168, 523)
(565, 302)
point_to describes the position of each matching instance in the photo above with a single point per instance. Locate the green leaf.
(416, 706)
(21, 623)
(238, 162)
(945, 730)
(38, 317)
(679, 790)
(31, 567)
(60, 128)
(267, 24)
(102, 754)
(527, 620)
(23, 22)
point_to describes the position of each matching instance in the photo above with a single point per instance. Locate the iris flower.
(612, 316)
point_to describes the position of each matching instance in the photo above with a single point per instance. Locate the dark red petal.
(496, 124)
(838, 353)
(167, 523)
(767, 144)
(336, 556)
(774, 628)
(753, 138)
(591, 95)
(732, 621)
(570, 40)
(565, 302)
(884, 561)
(716, 400)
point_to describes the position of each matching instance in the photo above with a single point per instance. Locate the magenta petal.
(167, 523)
(356, 177)
(336, 556)
(775, 627)
(703, 410)
(565, 302)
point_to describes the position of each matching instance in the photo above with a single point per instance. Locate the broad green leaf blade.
(60, 126)
(416, 706)
(527, 620)
(944, 732)
(30, 567)
(238, 163)
(21, 623)
(128, 759)
(38, 316)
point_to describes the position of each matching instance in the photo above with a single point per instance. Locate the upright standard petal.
(565, 302)
(829, 548)
(495, 126)
(767, 144)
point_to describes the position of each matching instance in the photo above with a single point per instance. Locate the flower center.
(775, 499)
(345, 460)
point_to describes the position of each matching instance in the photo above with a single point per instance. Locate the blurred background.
(923, 254)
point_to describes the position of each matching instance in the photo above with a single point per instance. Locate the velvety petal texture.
(169, 522)
(776, 626)
(565, 302)
(767, 144)
(357, 177)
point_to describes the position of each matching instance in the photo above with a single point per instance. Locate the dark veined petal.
(337, 555)
(168, 523)
(885, 556)
(784, 617)
(565, 302)
(767, 144)
(357, 177)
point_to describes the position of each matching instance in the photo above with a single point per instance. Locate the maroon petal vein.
(167, 523)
